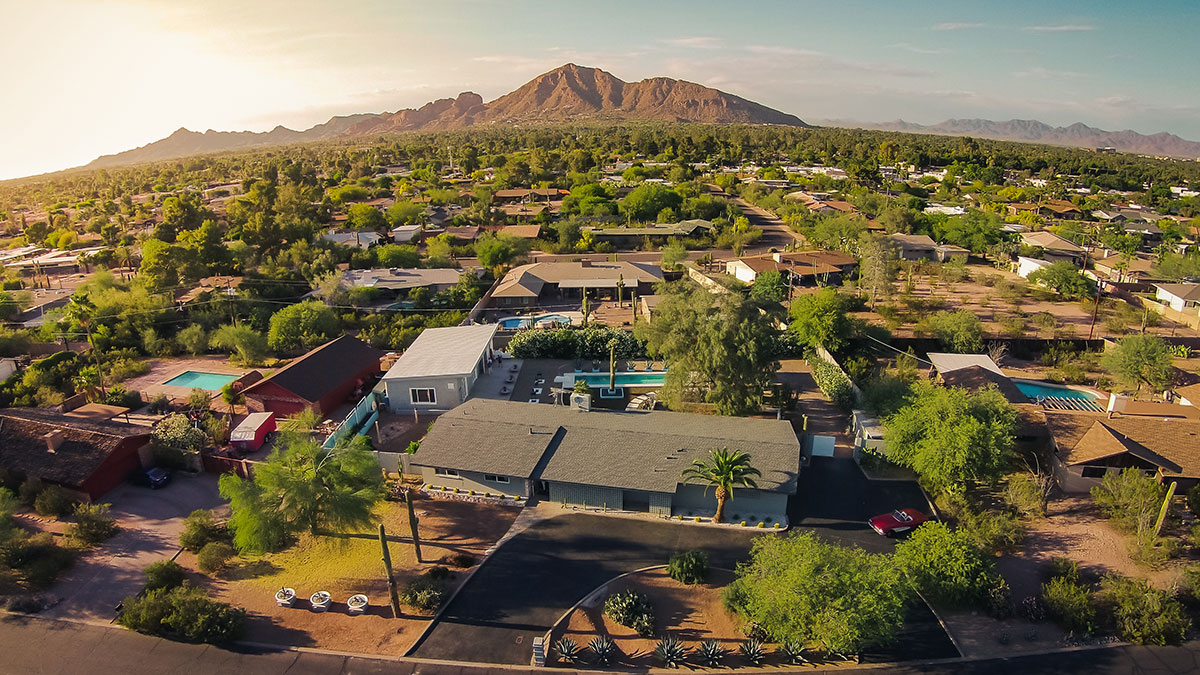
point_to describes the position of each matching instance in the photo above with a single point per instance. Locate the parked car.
(152, 478)
(900, 520)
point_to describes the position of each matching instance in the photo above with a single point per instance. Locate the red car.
(900, 520)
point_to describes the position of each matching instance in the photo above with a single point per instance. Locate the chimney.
(53, 440)
(777, 257)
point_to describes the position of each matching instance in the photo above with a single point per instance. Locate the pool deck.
(161, 370)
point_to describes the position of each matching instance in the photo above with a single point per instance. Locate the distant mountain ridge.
(568, 93)
(1076, 135)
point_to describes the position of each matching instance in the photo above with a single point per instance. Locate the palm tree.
(722, 470)
(81, 310)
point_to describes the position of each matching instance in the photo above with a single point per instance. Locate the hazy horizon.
(97, 78)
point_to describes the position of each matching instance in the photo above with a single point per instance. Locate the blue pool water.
(1036, 390)
(626, 379)
(519, 322)
(552, 318)
(196, 379)
(513, 323)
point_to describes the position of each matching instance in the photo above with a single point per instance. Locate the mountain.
(569, 93)
(1077, 135)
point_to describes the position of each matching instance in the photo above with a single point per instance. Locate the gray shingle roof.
(639, 451)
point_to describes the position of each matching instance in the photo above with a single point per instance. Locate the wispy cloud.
(957, 25)
(1061, 28)
(917, 49)
(1047, 73)
(696, 42)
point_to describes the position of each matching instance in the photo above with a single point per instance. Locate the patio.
(162, 371)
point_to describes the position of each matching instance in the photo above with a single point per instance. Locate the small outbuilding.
(253, 431)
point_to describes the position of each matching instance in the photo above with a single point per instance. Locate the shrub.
(26, 604)
(29, 490)
(92, 524)
(164, 574)
(37, 559)
(1027, 493)
(424, 593)
(710, 653)
(438, 573)
(833, 383)
(185, 612)
(1032, 609)
(1193, 499)
(752, 650)
(689, 567)
(567, 649)
(462, 560)
(214, 556)
(199, 529)
(1063, 568)
(119, 396)
(999, 600)
(53, 501)
(993, 532)
(631, 609)
(947, 565)
(1069, 604)
(160, 404)
(1143, 614)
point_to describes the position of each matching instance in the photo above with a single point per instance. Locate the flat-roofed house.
(628, 236)
(528, 285)
(914, 246)
(440, 368)
(436, 279)
(803, 266)
(621, 461)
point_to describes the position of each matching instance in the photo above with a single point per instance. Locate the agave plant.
(711, 653)
(794, 652)
(670, 651)
(753, 651)
(603, 649)
(566, 649)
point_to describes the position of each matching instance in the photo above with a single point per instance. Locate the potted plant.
(320, 601)
(285, 597)
(357, 604)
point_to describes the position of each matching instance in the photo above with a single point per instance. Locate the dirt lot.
(691, 613)
(347, 564)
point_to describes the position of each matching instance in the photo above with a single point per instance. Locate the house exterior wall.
(909, 253)
(740, 271)
(517, 486)
(586, 495)
(116, 468)
(1173, 301)
(449, 391)
(270, 397)
(694, 499)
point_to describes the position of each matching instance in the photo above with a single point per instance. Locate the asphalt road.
(39, 647)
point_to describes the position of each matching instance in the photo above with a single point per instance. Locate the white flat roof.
(946, 363)
(444, 351)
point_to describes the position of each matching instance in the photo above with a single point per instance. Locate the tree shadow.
(251, 569)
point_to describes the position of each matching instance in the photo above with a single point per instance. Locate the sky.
(84, 78)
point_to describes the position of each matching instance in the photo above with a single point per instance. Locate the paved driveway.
(539, 574)
(150, 523)
(835, 499)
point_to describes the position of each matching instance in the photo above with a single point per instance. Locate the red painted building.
(89, 457)
(323, 379)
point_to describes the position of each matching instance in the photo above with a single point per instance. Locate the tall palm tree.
(81, 310)
(722, 470)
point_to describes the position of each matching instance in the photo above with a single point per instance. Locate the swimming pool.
(519, 322)
(552, 318)
(624, 379)
(1037, 390)
(198, 379)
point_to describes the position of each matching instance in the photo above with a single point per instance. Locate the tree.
(949, 435)
(673, 254)
(303, 487)
(398, 255)
(405, 213)
(365, 218)
(799, 589)
(1065, 279)
(947, 565)
(647, 200)
(959, 331)
(174, 438)
(820, 320)
(1141, 359)
(494, 251)
(302, 326)
(769, 288)
(723, 470)
(878, 265)
(193, 339)
(720, 349)
(248, 345)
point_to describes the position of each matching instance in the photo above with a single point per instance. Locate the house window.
(422, 395)
(446, 472)
(492, 478)
(1094, 471)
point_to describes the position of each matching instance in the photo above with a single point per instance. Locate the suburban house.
(439, 369)
(1054, 247)
(914, 246)
(89, 457)
(1026, 266)
(630, 236)
(1179, 297)
(521, 231)
(803, 266)
(608, 459)
(1059, 208)
(403, 234)
(322, 379)
(1089, 445)
(951, 253)
(1116, 267)
(398, 279)
(528, 285)
(356, 238)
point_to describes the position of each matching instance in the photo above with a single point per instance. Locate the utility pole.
(412, 524)
(391, 580)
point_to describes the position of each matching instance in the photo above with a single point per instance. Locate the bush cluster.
(833, 382)
(53, 501)
(92, 524)
(947, 565)
(631, 609)
(214, 556)
(688, 567)
(427, 592)
(591, 342)
(36, 559)
(164, 574)
(183, 612)
(1069, 604)
(199, 529)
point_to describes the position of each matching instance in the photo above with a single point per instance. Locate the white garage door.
(822, 446)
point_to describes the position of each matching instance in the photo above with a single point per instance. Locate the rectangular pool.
(198, 379)
(624, 379)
